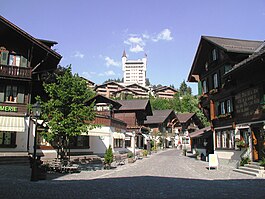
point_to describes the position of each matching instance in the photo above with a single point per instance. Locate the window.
(11, 93)
(204, 86)
(214, 54)
(118, 143)
(227, 68)
(128, 142)
(229, 106)
(7, 139)
(222, 108)
(225, 139)
(79, 142)
(215, 80)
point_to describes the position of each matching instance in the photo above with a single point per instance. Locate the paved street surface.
(166, 174)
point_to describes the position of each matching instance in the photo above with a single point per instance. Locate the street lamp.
(36, 111)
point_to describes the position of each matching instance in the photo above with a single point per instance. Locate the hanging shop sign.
(8, 108)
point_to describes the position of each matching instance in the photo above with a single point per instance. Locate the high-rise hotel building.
(134, 71)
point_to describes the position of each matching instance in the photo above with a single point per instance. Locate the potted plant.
(184, 152)
(145, 152)
(262, 162)
(108, 157)
(244, 160)
(240, 144)
(130, 157)
(197, 154)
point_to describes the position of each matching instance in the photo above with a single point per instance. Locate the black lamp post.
(36, 111)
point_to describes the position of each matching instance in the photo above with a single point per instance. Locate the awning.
(202, 132)
(16, 124)
(117, 135)
(103, 131)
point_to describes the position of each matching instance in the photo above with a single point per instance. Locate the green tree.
(184, 89)
(65, 111)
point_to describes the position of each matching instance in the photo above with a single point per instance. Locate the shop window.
(128, 142)
(79, 142)
(225, 139)
(118, 143)
(7, 139)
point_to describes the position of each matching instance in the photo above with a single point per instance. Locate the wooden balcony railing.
(15, 71)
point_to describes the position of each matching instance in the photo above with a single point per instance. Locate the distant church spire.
(124, 54)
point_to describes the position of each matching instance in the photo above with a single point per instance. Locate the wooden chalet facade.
(134, 113)
(108, 88)
(188, 123)
(24, 62)
(231, 88)
(165, 92)
(162, 127)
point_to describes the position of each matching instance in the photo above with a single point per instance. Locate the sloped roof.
(201, 132)
(135, 105)
(135, 84)
(184, 117)
(260, 52)
(227, 44)
(234, 45)
(103, 99)
(41, 43)
(111, 82)
(159, 116)
(164, 88)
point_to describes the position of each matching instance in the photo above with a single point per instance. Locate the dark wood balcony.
(109, 121)
(15, 71)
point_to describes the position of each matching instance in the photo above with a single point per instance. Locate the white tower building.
(134, 71)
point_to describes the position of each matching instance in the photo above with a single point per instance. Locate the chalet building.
(24, 62)
(134, 113)
(189, 123)
(90, 84)
(165, 92)
(229, 73)
(108, 89)
(111, 131)
(162, 127)
(122, 91)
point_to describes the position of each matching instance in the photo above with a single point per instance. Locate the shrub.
(145, 152)
(244, 160)
(262, 162)
(108, 157)
(130, 155)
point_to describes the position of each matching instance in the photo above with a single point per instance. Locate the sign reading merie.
(8, 108)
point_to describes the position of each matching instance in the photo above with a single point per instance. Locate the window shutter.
(4, 57)
(23, 62)
(20, 95)
(212, 110)
(2, 93)
(200, 88)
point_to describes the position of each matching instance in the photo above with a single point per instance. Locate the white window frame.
(215, 80)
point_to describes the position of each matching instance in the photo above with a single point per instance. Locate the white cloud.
(111, 62)
(79, 55)
(163, 35)
(136, 49)
(107, 73)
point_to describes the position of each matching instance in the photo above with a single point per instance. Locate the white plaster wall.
(99, 144)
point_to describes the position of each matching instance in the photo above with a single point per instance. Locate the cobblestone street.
(167, 174)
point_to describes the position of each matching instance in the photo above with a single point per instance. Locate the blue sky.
(92, 34)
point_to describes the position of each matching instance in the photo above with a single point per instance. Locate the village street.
(166, 174)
